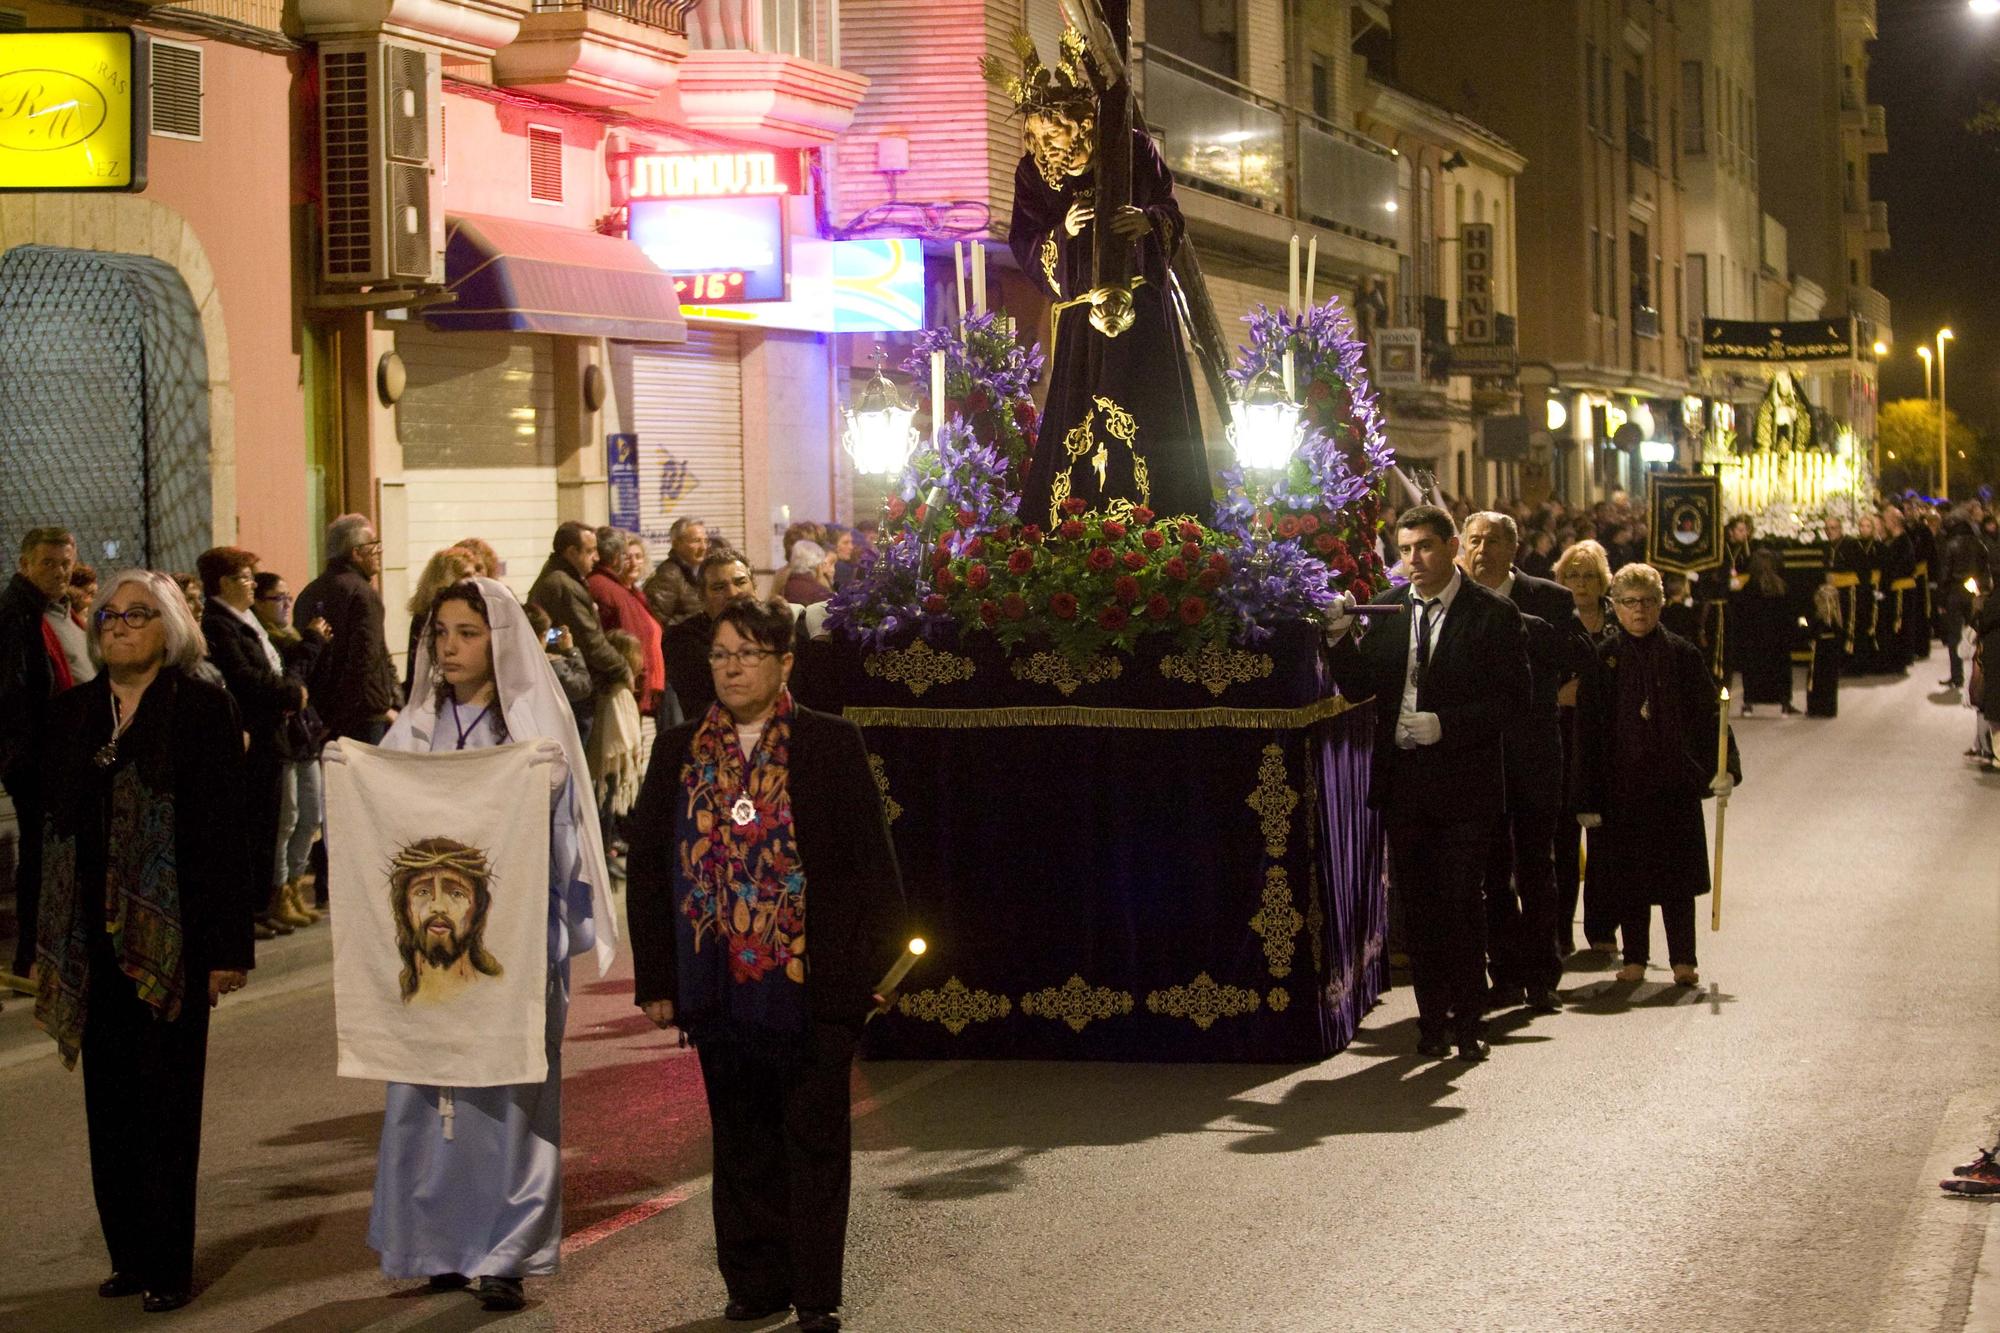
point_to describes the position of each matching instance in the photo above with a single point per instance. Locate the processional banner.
(439, 867)
(1683, 522)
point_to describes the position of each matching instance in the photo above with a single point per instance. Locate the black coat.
(353, 681)
(854, 892)
(27, 681)
(1477, 680)
(262, 695)
(685, 646)
(203, 752)
(1558, 652)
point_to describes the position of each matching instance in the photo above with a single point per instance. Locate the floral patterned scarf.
(739, 885)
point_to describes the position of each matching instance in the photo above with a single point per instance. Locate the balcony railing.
(1645, 320)
(1220, 136)
(1869, 304)
(1639, 146)
(666, 15)
(808, 29)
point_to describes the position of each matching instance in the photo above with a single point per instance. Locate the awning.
(529, 277)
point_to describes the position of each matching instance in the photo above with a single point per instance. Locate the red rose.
(1345, 567)
(923, 512)
(1334, 546)
(1014, 606)
(945, 581)
(1361, 588)
(1219, 563)
(1099, 560)
(1190, 551)
(954, 407)
(977, 577)
(1193, 610)
(978, 401)
(1074, 505)
(897, 508)
(1004, 533)
(1032, 534)
(1126, 589)
(1020, 561)
(1142, 515)
(1070, 530)
(935, 604)
(966, 518)
(1190, 530)
(1325, 542)
(1024, 414)
(1318, 391)
(1135, 560)
(977, 546)
(1309, 523)
(1177, 568)
(1113, 618)
(1288, 528)
(1158, 607)
(989, 614)
(1207, 580)
(1113, 528)
(1062, 605)
(941, 557)
(1152, 540)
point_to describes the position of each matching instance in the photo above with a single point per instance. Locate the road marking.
(680, 1194)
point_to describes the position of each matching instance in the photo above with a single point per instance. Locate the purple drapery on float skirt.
(1351, 855)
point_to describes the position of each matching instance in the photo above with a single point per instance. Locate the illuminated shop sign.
(864, 286)
(72, 110)
(720, 251)
(745, 175)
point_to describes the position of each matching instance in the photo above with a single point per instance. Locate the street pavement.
(1758, 1154)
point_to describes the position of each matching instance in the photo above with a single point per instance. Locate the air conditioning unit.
(381, 155)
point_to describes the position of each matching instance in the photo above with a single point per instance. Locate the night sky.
(1932, 68)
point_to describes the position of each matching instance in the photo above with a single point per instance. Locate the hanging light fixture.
(1268, 425)
(880, 434)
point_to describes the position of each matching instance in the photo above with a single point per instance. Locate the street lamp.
(1268, 425)
(880, 435)
(1985, 9)
(1944, 461)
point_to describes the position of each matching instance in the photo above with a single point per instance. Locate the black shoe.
(819, 1321)
(1544, 1000)
(120, 1284)
(742, 1312)
(1980, 1163)
(159, 1302)
(1505, 997)
(449, 1282)
(1472, 1050)
(1952, 684)
(1435, 1048)
(501, 1293)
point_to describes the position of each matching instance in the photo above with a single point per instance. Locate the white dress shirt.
(1437, 615)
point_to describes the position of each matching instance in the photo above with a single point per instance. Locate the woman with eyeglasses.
(145, 916)
(1650, 720)
(759, 826)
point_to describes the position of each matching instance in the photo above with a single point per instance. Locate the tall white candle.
(937, 394)
(1293, 290)
(1312, 270)
(979, 277)
(958, 275)
(1291, 391)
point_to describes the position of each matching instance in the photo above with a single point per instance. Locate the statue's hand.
(1078, 217)
(1131, 223)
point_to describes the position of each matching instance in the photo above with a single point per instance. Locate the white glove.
(1418, 729)
(1590, 821)
(1722, 786)
(1339, 618)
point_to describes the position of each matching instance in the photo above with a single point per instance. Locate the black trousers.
(783, 1158)
(263, 795)
(1521, 901)
(1438, 868)
(1637, 928)
(1600, 918)
(142, 1087)
(27, 875)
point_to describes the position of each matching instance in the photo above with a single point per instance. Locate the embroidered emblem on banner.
(1063, 673)
(953, 1007)
(1077, 1002)
(1216, 668)
(1274, 801)
(919, 666)
(1202, 1001)
(1278, 922)
(890, 809)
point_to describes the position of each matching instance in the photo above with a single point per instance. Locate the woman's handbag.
(300, 735)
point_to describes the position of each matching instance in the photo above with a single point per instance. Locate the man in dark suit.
(1448, 673)
(1520, 867)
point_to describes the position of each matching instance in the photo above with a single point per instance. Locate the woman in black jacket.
(145, 917)
(755, 817)
(1762, 628)
(1650, 721)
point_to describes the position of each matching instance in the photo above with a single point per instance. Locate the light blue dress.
(486, 1202)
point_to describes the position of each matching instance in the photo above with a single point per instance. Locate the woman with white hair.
(1650, 719)
(808, 575)
(145, 916)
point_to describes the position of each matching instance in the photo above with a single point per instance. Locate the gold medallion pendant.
(744, 812)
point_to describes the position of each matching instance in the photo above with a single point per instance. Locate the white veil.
(533, 705)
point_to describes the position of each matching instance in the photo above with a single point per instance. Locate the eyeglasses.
(135, 617)
(1636, 603)
(245, 576)
(282, 598)
(748, 657)
(367, 546)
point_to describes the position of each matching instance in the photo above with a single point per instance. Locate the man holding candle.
(755, 816)
(1448, 673)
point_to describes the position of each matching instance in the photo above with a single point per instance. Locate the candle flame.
(1725, 694)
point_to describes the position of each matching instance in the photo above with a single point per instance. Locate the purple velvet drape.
(1351, 875)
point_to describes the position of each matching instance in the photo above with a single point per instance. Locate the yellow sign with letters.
(72, 110)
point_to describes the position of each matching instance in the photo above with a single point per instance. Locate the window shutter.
(177, 90)
(545, 168)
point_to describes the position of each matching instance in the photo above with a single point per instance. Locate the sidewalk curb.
(1944, 1273)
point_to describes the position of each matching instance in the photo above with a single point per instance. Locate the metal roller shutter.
(687, 410)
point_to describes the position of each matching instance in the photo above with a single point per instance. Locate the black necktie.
(1424, 636)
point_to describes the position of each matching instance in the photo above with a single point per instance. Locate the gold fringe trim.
(1119, 719)
(1843, 578)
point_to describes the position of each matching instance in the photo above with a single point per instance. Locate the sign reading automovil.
(73, 109)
